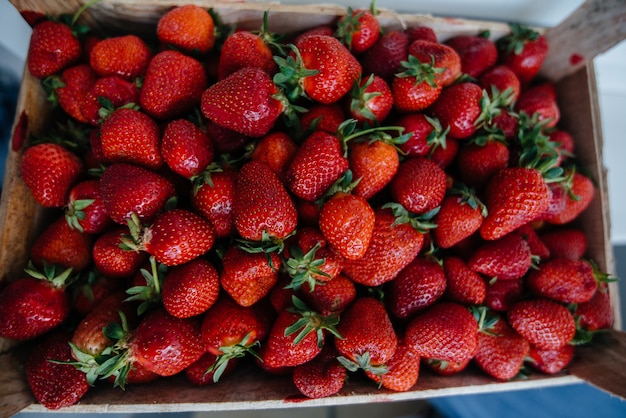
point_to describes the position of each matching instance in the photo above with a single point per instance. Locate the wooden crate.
(602, 364)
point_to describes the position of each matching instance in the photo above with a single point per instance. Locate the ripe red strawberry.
(331, 297)
(478, 160)
(329, 67)
(371, 100)
(88, 293)
(277, 149)
(128, 189)
(523, 50)
(358, 29)
(551, 361)
(54, 383)
(59, 244)
(463, 286)
(507, 258)
(580, 194)
(190, 289)
(319, 162)
(189, 28)
(392, 247)
(203, 371)
(502, 78)
(502, 294)
(177, 236)
(186, 149)
(262, 206)
(69, 89)
(246, 49)
(226, 141)
(424, 33)
(50, 171)
(213, 196)
(52, 48)
(426, 134)
(440, 56)
(514, 196)
(444, 156)
(537, 101)
(166, 345)
(385, 56)
(173, 85)
(416, 287)
(537, 248)
(368, 339)
(244, 102)
(419, 185)
(562, 280)
(569, 243)
(477, 52)
(402, 370)
(35, 303)
(458, 107)
(501, 351)
(126, 56)
(565, 144)
(446, 368)
(107, 94)
(248, 277)
(324, 117)
(322, 376)
(446, 331)
(347, 222)
(596, 314)
(131, 136)
(544, 323)
(415, 88)
(111, 259)
(85, 209)
(374, 163)
(460, 215)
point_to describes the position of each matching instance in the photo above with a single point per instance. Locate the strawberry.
(202, 372)
(248, 277)
(53, 47)
(565, 143)
(537, 248)
(324, 69)
(439, 56)
(523, 50)
(324, 117)
(347, 222)
(358, 29)
(374, 163)
(213, 196)
(514, 196)
(68, 90)
(190, 289)
(426, 134)
(93, 289)
(50, 171)
(402, 370)
(128, 189)
(507, 258)
(551, 361)
(479, 159)
(385, 56)
(331, 297)
(460, 215)
(262, 206)
(319, 162)
(477, 52)
(126, 56)
(226, 141)
(580, 193)
(502, 294)
(446, 331)
(166, 345)
(501, 351)
(371, 100)
(244, 102)
(419, 185)
(107, 94)
(189, 28)
(368, 340)
(569, 243)
(544, 323)
(415, 88)
(444, 156)
(177, 236)
(562, 280)
(536, 100)
(113, 259)
(502, 78)
(424, 33)
(246, 49)
(276, 149)
(85, 209)
(172, 86)
(54, 383)
(131, 136)
(463, 285)
(595, 314)
(446, 368)
(393, 246)
(416, 287)
(59, 244)
(186, 149)
(296, 337)
(322, 376)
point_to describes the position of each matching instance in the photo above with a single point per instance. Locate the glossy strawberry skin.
(584, 189)
(126, 56)
(187, 27)
(59, 244)
(419, 185)
(117, 90)
(544, 323)
(477, 53)
(186, 149)
(96, 220)
(77, 81)
(507, 258)
(551, 361)
(190, 289)
(384, 57)
(52, 48)
(403, 370)
(215, 201)
(374, 163)
(322, 376)
(566, 281)
(244, 49)
(464, 286)
(359, 30)
(526, 64)
(443, 56)
(458, 107)
(110, 259)
(456, 220)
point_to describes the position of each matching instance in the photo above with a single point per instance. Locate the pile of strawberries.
(311, 204)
